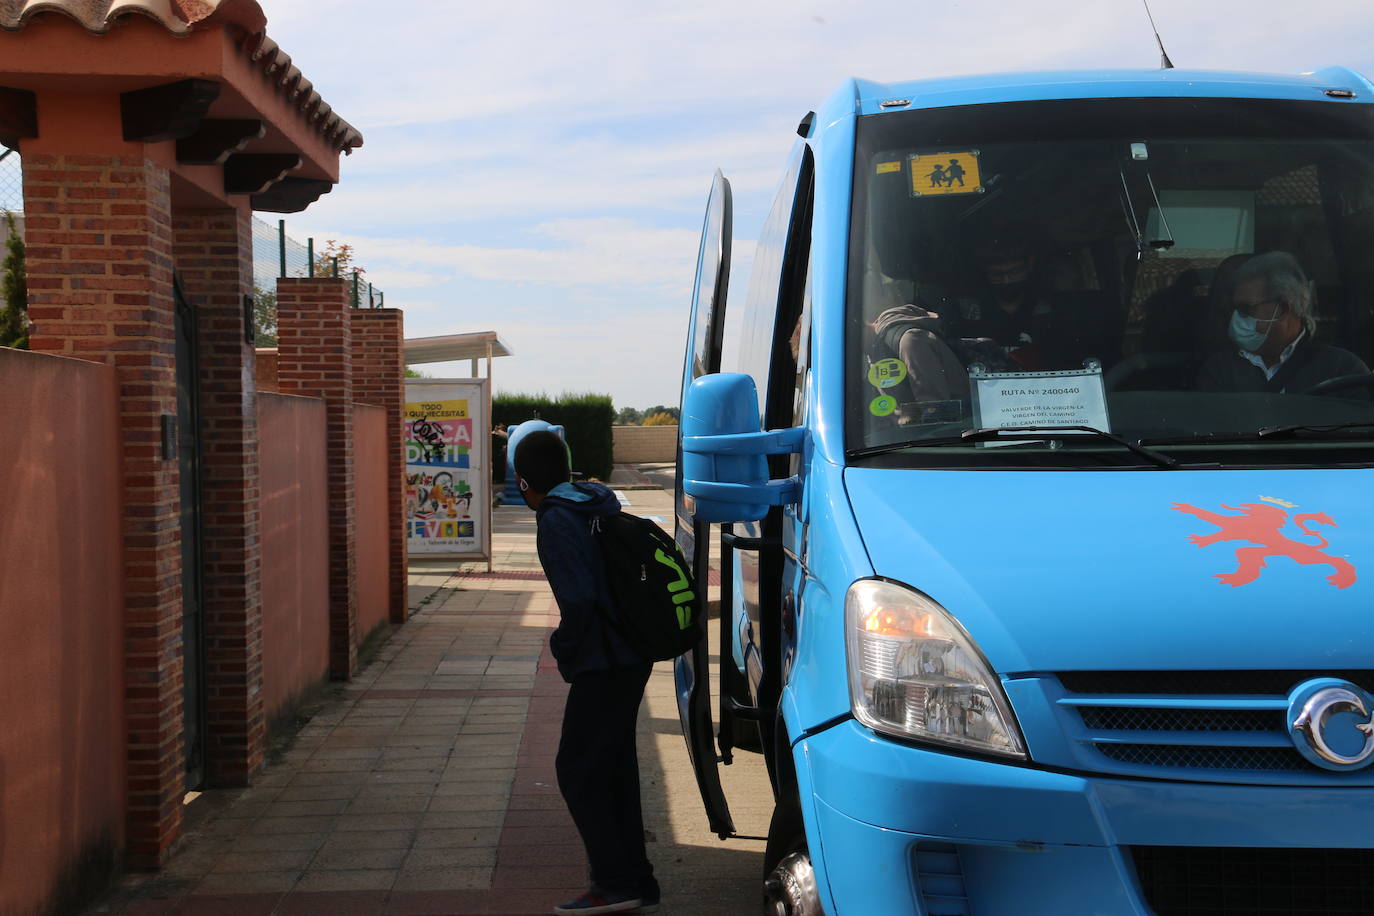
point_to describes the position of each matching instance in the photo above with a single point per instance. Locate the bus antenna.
(1164, 62)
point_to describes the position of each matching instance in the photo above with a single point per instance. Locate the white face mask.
(1244, 331)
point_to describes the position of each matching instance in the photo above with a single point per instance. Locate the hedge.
(586, 419)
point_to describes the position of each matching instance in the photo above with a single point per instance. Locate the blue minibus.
(1037, 459)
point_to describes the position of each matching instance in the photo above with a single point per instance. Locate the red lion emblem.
(1260, 523)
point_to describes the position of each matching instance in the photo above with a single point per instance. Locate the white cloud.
(635, 357)
(596, 252)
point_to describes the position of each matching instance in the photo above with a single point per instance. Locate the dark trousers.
(598, 774)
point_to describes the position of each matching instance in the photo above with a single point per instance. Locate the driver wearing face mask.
(1011, 312)
(1271, 326)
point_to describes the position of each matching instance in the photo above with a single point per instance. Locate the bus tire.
(789, 883)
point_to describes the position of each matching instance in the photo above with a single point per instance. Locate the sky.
(540, 169)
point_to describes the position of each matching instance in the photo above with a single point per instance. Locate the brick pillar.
(214, 258)
(98, 230)
(315, 359)
(379, 368)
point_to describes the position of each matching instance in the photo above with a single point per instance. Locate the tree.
(14, 318)
(414, 373)
(343, 252)
(672, 412)
(628, 416)
(265, 316)
(324, 261)
(662, 418)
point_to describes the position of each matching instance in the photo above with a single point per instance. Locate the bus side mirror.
(724, 469)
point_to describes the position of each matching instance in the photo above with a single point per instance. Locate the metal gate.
(188, 459)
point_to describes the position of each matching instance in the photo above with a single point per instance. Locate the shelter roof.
(181, 17)
(449, 347)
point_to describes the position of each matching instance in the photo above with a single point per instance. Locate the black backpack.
(651, 584)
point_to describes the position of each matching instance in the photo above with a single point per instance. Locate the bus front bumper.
(904, 829)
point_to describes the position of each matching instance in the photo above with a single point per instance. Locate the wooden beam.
(253, 173)
(171, 111)
(291, 195)
(217, 139)
(18, 115)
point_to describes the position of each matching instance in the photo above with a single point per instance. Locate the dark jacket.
(571, 557)
(1310, 364)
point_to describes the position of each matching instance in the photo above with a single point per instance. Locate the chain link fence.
(269, 245)
(11, 181)
(276, 254)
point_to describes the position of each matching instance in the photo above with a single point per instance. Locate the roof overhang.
(200, 87)
(449, 347)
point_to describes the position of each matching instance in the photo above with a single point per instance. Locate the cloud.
(633, 356)
(593, 252)
(541, 177)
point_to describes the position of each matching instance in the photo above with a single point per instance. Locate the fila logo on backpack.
(656, 604)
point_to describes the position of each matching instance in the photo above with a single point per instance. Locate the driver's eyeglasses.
(1258, 310)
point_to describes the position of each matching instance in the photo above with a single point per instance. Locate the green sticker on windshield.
(886, 373)
(882, 405)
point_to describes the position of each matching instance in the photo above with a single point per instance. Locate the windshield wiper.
(1264, 432)
(993, 434)
(1292, 432)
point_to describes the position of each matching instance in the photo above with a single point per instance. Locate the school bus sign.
(944, 173)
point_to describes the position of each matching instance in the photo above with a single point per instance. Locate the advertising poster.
(447, 482)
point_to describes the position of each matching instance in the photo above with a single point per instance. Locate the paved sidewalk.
(425, 786)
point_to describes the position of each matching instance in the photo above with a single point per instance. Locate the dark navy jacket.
(571, 557)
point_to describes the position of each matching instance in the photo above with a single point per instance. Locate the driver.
(1272, 327)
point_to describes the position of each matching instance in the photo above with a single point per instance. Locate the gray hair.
(1284, 280)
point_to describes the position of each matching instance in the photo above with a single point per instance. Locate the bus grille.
(1227, 726)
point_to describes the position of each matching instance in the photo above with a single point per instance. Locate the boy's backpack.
(651, 584)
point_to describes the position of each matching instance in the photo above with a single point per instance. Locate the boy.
(598, 769)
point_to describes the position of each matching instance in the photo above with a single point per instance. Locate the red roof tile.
(183, 16)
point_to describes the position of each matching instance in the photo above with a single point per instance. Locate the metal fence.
(11, 181)
(276, 254)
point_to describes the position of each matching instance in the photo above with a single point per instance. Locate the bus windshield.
(1192, 274)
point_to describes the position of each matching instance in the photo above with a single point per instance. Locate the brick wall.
(379, 379)
(315, 359)
(213, 250)
(98, 231)
(265, 374)
(644, 444)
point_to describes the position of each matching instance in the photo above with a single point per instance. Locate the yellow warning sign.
(885, 167)
(944, 173)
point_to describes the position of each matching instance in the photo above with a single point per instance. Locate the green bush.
(586, 419)
(14, 322)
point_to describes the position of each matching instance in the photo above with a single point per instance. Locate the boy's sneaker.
(598, 901)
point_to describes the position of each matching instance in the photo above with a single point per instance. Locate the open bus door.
(692, 671)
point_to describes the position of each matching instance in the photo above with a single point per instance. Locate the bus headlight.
(915, 673)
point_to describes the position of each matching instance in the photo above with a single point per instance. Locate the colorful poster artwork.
(439, 493)
(438, 433)
(439, 511)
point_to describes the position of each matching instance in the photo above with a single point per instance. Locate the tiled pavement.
(425, 786)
